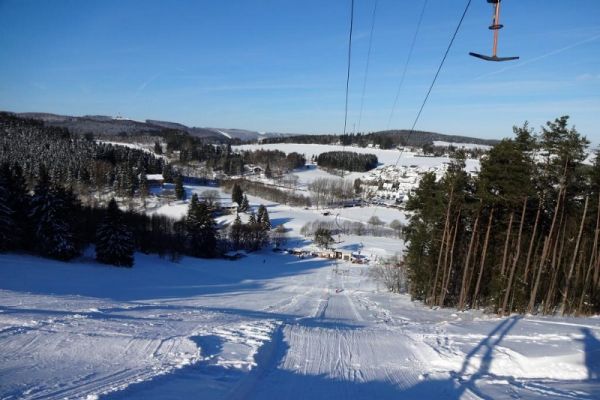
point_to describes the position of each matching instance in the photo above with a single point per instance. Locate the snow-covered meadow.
(393, 157)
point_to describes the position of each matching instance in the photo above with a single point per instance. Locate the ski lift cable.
(412, 129)
(364, 88)
(408, 59)
(437, 74)
(349, 63)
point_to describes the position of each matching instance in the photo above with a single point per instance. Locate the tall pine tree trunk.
(547, 241)
(593, 255)
(449, 274)
(554, 267)
(574, 260)
(464, 286)
(515, 260)
(483, 256)
(532, 241)
(506, 242)
(433, 285)
(445, 262)
(445, 233)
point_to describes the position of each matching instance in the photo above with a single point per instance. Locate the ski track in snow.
(290, 329)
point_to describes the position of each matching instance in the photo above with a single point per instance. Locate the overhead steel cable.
(364, 88)
(408, 58)
(412, 129)
(437, 74)
(349, 62)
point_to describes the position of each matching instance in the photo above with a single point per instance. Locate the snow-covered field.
(468, 146)
(264, 327)
(404, 162)
(385, 157)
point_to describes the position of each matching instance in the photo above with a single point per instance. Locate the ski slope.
(267, 326)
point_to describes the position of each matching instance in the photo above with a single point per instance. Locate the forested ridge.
(522, 236)
(384, 139)
(45, 172)
(72, 160)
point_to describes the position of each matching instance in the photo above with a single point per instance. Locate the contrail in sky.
(550, 54)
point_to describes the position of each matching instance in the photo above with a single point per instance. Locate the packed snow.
(267, 326)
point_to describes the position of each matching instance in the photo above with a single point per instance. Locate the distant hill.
(421, 137)
(107, 125)
(385, 139)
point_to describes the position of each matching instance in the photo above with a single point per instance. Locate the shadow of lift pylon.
(496, 26)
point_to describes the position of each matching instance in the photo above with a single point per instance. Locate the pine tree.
(263, 218)
(7, 222)
(114, 240)
(158, 148)
(268, 173)
(201, 229)
(323, 238)
(16, 202)
(235, 233)
(144, 188)
(168, 174)
(179, 189)
(237, 195)
(245, 204)
(53, 229)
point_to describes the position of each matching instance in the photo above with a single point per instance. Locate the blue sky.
(280, 65)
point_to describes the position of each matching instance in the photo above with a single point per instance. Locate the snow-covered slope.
(267, 326)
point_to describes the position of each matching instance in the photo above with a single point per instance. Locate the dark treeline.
(274, 160)
(346, 227)
(252, 235)
(522, 236)
(384, 139)
(268, 192)
(72, 160)
(50, 221)
(347, 160)
(193, 149)
(222, 158)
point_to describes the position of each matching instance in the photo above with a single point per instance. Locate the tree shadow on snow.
(279, 221)
(474, 378)
(591, 347)
(272, 378)
(466, 380)
(151, 278)
(203, 379)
